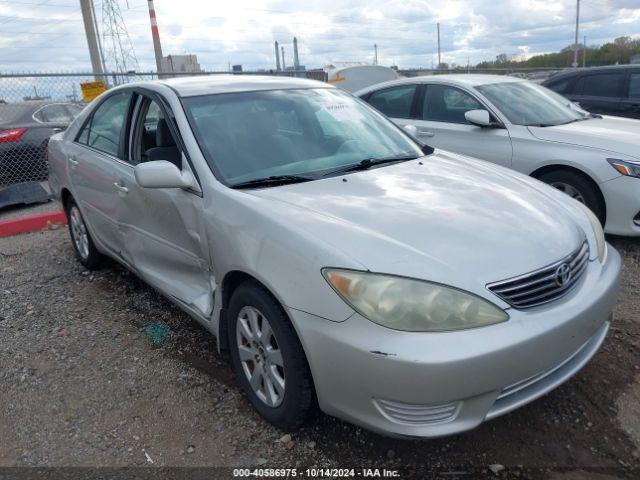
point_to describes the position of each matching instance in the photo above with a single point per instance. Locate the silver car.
(338, 264)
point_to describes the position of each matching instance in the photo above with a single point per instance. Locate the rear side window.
(104, 130)
(443, 103)
(634, 85)
(394, 102)
(600, 84)
(53, 114)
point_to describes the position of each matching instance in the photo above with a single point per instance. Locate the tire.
(578, 186)
(293, 405)
(81, 240)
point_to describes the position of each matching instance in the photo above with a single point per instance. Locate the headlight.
(597, 231)
(630, 169)
(412, 305)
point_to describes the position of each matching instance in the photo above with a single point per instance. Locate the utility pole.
(90, 30)
(375, 54)
(584, 52)
(155, 35)
(575, 44)
(439, 61)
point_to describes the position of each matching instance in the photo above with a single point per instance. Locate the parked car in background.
(613, 90)
(25, 128)
(338, 263)
(519, 124)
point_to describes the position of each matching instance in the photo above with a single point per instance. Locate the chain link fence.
(35, 106)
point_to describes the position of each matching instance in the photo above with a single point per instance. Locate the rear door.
(163, 231)
(96, 163)
(600, 92)
(630, 104)
(441, 123)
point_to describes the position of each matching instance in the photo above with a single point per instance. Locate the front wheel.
(268, 358)
(81, 238)
(578, 187)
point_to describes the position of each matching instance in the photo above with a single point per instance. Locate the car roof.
(462, 79)
(214, 84)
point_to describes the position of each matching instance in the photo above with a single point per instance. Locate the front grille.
(546, 284)
(410, 414)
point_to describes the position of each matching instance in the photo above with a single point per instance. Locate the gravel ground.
(81, 384)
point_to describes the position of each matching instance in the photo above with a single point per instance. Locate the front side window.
(153, 137)
(394, 102)
(600, 85)
(443, 103)
(104, 130)
(529, 104)
(254, 135)
(562, 85)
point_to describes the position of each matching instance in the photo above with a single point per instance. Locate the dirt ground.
(82, 385)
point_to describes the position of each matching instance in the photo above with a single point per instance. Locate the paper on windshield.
(342, 112)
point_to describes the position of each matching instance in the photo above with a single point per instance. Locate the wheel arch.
(555, 167)
(231, 281)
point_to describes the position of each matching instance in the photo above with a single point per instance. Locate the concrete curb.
(31, 223)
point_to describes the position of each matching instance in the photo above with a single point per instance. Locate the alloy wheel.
(260, 356)
(79, 230)
(570, 190)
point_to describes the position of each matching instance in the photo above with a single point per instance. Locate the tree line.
(619, 51)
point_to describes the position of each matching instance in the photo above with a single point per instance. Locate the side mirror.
(479, 118)
(411, 130)
(163, 174)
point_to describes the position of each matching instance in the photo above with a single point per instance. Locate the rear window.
(600, 84)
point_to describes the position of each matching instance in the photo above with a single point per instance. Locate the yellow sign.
(91, 90)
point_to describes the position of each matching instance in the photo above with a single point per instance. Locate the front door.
(163, 232)
(441, 124)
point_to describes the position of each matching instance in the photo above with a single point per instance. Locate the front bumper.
(433, 384)
(622, 197)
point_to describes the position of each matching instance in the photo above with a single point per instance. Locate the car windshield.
(526, 103)
(302, 132)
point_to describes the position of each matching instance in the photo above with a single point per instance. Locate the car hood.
(614, 134)
(446, 218)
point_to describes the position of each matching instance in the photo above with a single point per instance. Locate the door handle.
(426, 133)
(122, 190)
(73, 162)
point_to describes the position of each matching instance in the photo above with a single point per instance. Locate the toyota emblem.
(563, 275)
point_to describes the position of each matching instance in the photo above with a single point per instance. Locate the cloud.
(51, 36)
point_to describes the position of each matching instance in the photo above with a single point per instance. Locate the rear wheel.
(579, 187)
(268, 358)
(81, 238)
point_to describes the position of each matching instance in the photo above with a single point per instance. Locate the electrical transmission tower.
(119, 54)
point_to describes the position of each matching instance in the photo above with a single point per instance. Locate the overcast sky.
(47, 35)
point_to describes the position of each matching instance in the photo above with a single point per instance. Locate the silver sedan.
(338, 263)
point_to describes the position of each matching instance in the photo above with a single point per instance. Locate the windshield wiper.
(368, 163)
(272, 181)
